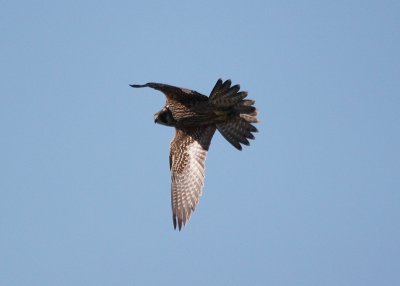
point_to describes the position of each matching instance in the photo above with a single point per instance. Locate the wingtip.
(138, 85)
(174, 221)
(178, 223)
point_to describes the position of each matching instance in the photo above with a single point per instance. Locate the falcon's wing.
(188, 153)
(174, 92)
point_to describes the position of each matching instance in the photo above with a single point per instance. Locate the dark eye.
(164, 117)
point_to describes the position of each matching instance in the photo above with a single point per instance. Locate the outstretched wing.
(188, 153)
(174, 92)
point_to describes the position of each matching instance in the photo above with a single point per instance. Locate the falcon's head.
(164, 117)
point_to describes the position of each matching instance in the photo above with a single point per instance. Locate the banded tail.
(238, 113)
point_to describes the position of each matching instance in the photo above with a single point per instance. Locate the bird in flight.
(195, 118)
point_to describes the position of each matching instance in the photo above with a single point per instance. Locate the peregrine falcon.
(195, 118)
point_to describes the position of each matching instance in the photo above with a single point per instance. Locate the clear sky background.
(84, 177)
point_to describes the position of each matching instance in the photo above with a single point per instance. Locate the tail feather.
(236, 127)
(229, 134)
(248, 102)
(221, 89)
(229, 101)
(232, 91)
(245, 109)
(225, 86)
(216, 89)
(237, 131)
(249, 118)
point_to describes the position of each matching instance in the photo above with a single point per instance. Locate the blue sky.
(84, 179)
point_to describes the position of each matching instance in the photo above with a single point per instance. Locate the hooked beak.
(156, 117)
